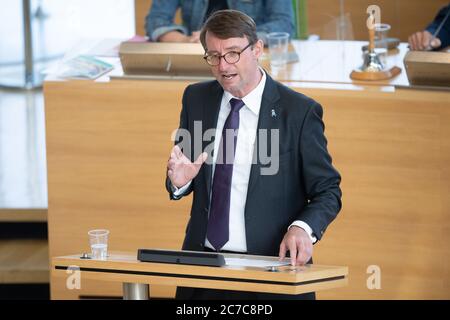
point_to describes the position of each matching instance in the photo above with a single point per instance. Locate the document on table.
(246, 262)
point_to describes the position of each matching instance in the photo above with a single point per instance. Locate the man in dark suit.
(266, 188)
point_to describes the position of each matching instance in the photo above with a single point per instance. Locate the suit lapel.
(269, 105)
(211, 110)
(268, 120)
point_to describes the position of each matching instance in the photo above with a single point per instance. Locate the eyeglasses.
(230, 57)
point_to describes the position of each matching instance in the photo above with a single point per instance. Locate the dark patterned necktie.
(219, 214)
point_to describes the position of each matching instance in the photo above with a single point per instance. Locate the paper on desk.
(245, 262)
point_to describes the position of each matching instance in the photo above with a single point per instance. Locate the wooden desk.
(107, 148)
(325, 63)
(124, 268)
(333, 61)
(24, 261)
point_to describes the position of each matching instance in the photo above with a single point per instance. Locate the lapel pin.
(274, 114)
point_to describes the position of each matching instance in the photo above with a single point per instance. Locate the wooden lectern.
(136, 276)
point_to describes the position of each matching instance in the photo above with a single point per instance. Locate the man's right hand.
(180, 169)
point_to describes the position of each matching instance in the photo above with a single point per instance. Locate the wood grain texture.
(24, 261)
(392, 152)
(107, 156)
(123, 267)
(108, 143)
(23, 215)
(141, 9)
(428, 68)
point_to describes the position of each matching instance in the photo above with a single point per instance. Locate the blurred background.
(55, 28)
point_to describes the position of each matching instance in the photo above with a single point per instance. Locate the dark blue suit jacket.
(444, 33)
(306, 186)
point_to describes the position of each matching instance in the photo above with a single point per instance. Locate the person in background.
(423, 40)
(269, 16)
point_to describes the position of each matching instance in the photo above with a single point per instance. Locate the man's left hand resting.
(299, 244)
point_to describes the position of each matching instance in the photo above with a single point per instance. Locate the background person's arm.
(280, 18)
(160, 21)
(444, 33)
(423, 40)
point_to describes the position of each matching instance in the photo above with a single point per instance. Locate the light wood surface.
(141, 9)
(390, 148)
(123, 267)
(23, 215)
(375, 76)
(24, 261)
(113, 148)
(392, 151)
(428, 68)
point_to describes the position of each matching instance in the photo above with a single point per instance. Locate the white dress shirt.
(248, 124)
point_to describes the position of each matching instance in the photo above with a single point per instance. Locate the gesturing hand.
(180, 169)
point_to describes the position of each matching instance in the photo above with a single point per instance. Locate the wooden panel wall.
(392, 151)
(141, 9)
(108, 143)
(107, 146)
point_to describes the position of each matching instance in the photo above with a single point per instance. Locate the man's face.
(239, 78)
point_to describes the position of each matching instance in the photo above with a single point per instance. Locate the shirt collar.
(253, 99)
